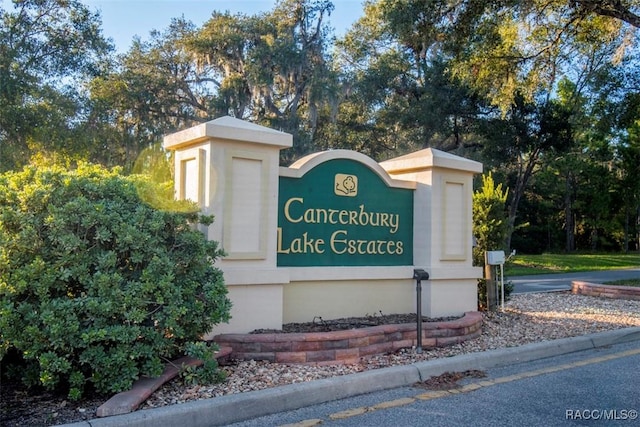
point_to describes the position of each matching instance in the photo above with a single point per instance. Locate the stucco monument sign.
(334, 235)
(342, 213)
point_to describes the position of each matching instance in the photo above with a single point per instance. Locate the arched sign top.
(307, 163)
(340, 208)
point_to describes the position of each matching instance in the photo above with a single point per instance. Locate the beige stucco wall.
(337, 299)
(442, 227)
(230, 167)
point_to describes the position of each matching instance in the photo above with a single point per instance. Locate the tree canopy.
(47, 49)
(510, 48)
(544, 92)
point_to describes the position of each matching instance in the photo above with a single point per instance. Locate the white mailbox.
(495, 257)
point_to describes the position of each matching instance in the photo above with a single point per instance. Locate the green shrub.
(97, 286)
(482, 293)
(490, 219)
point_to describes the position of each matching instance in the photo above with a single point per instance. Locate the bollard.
(419, 275)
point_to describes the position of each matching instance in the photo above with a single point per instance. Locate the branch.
(611, 8)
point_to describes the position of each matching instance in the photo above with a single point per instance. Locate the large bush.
(490, 229)
(98, 286)
(490, 220)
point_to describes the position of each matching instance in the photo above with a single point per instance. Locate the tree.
(397, 100)
(628, 153)
(520, 143)
(490, 230)
(48, 48)
(505, 49)
(272, 68)
(629, 186)
(490, 219)
(152, 90)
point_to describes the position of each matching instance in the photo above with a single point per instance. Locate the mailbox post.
(495, 258)
(420, 275)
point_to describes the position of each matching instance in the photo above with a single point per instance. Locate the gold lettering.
(344, 214)
(308, 244)
(334, 240)
(321, 213)
(363, 218)
(332, 213)
(339, 242)
(390, 245)
(394, 221)
(309, 217)
(375, 215)
(384, 220)
(296, 246)
(287, 206)
(353, 217)
(280, 250)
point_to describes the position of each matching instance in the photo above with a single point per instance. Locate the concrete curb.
(239, 407)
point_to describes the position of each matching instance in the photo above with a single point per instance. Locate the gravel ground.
(527, 318)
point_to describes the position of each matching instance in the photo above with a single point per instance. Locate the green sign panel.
(341, 213)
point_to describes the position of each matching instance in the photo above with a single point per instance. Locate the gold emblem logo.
(346, 185)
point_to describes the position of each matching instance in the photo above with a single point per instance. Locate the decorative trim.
(264, 192)
(448, 217)
(199, 157)
(305, 164)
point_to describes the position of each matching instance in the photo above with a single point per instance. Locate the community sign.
(342, 213)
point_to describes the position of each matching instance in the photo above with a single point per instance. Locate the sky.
(124, 19)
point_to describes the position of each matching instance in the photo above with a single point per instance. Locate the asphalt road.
(593, 387)
(562, 281)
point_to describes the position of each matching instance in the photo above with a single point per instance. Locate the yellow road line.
(348, 413)
(437, 394)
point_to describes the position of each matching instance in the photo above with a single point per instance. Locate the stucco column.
(230, 168)
(442, 227)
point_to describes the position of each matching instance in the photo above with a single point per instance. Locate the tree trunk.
(568, 213)
(525, 171)
(638, 229)
(625, 244)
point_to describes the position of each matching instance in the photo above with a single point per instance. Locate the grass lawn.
(521, 265)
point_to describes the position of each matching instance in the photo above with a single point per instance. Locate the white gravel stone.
(527, 318)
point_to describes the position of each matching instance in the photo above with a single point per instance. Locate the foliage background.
(543, 93)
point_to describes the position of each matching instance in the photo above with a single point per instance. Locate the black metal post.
(419, 316)
(419, 275)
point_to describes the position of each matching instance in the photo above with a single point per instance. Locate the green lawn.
(521, 265)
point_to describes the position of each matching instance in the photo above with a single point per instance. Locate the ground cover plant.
(98, 285)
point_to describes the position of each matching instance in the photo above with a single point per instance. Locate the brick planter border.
(129, 401)
(606, 291)
(348, 346)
